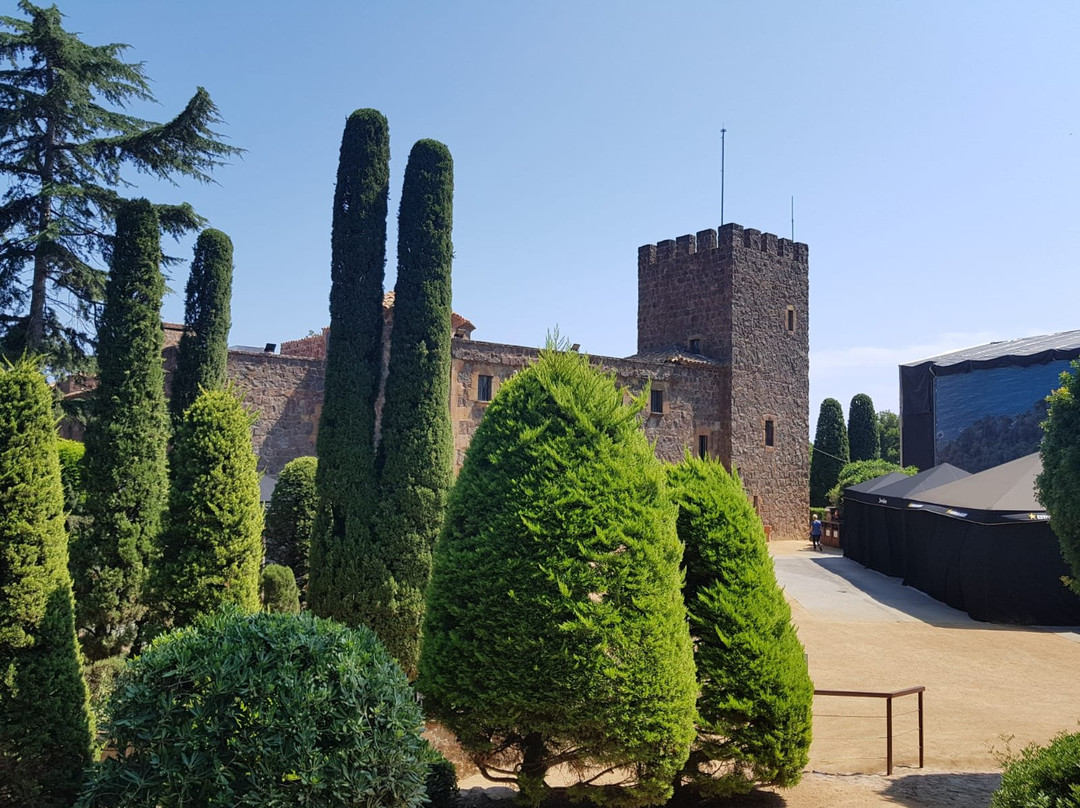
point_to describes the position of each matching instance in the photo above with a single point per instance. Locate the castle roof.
(675, 354)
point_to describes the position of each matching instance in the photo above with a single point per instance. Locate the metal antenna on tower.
(723, 132)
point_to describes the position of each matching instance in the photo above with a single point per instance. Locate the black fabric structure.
(953, 542)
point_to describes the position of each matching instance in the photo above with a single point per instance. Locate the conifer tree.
(126, 480)
(46, 730)
(830, 451)
(211, 548)
(415, 456)
(863, 429)
(754, 702)
(555, 629)
(291, 514)
(204, 345)
(889, 435)
(1058, 483)
(279, 590)
(343, 565)
(66, 144)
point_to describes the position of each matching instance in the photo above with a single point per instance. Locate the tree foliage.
(555, 629)
(290, 517)
(65, 143)
(863, 438)
(414, 463)
(264, 709)
(755, 693)
(1059, 482)
(830, 451)
(889, 435)
(859, 471)
(204, 345)
(279, 590)
(126, 481)
(72, 472)
(46, 730)
(343, 565)
(1041, 776)
(211, 548)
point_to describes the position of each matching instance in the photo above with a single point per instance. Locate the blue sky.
(933, 151)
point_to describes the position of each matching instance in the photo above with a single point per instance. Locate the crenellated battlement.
(729, 236)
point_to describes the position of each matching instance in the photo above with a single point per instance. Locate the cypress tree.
(343, 564)
(555, 625)
(291, 514)
(830, 451)
(204, 345)
(126, 481)
(279, 590)
(211, 548)
(863, 429)
(415, 456)
(755, 694)
(45, 726)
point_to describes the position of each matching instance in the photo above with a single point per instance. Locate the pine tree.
(291, 514)
(46, 730)
(555, 626)
(830, 451)
(126, 481)
(1058, 483)
(63, 155)
(862, 429)
(211, 548)
(343, 564)
(754, 703)
(204, 345)
(415, 456)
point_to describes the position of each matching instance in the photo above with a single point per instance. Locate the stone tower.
(740, 298)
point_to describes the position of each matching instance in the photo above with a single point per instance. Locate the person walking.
(815, 532)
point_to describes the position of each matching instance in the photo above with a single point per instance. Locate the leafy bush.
(555, 630)
(1042, 777)
(291, 515)
(441, 784)
(754, 703)
(1060, 478)
(859, 472)
(279, 590)
(71, 472)
(262, 710)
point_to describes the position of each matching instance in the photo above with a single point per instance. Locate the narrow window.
(656, 402)
(483, 388)
(790, 318)
(703, 445)
(695, 346)
(770, 432)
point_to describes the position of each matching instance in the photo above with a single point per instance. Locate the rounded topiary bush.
(279, 590)
(265, 709)
(1042, 776)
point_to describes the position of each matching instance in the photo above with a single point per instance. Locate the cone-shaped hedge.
(755, 692)
(830, 451)
(555, 625)
(416, 450)
(342, 558)
(45, 725)
(211, 548)
(863, 429)
(126, 479)
(291, 515)
(204, 345)
(279, 590)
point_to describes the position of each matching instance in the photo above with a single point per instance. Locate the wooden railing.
(862, 694)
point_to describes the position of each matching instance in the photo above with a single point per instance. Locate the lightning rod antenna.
(723, 132)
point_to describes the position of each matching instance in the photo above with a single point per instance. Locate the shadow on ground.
(968, 789)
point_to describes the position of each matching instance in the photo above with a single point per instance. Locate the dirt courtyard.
(985, 683)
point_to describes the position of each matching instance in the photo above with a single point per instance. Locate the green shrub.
(860, 471)
(1059, 481)
(441, 784)
(1042, 777)
(71, 454)
(555, 629)
(289, 519)
(755, 697)
(830, 451)
(279, 590)
(262, 710)
(45, 725)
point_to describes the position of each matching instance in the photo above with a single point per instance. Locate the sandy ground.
(988, 688)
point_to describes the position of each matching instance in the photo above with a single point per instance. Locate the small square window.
(703, 445)
(770, 432)
(695, 346)
(656, 402)
(483, 388)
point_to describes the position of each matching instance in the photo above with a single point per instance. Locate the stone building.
(722, 340)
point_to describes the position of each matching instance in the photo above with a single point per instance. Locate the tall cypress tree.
(415, 455)
(45, 725)
(830, 451)
(342, 559)
(211, 548)
(204, 345)
(862, 429)
(126, 482)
